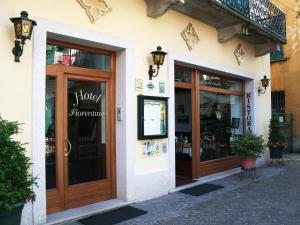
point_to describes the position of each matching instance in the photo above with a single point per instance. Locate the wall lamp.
(158, 60)
(23, 30)
(264, 83)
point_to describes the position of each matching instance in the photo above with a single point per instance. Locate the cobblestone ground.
(273, 199)
(269, 201)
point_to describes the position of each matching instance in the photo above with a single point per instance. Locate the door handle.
(68, 151)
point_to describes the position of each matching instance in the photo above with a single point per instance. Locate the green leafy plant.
(247, 145)
(276, 138)
(16, 181)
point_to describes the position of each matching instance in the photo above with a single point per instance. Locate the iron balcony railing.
(262, 12)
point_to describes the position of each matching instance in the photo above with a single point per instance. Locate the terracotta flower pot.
(248, 163)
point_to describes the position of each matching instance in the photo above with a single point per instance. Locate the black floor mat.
(201, 189)
(114, 216)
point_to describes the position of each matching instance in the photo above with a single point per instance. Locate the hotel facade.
(99, 130)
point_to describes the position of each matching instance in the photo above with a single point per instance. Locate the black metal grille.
(278, 102)
(262, 12)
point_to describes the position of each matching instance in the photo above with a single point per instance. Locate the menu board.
(152, 117)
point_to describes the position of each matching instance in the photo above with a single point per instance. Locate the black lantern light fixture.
(158, 60)
(23, 30)
(264, 83)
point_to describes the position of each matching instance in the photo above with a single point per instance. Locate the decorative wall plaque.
(190, 36)
(240, 54)
(95, 8)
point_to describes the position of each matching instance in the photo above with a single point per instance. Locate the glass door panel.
(183, 134)
(50, 133)
(86, 131)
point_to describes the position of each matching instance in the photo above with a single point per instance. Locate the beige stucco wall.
(128, 21)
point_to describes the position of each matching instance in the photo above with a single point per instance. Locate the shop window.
(209, 111)
(221, 117)
(278, 101)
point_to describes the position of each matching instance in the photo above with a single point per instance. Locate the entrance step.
(70, 215)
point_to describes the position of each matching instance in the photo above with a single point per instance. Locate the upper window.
(278, 101)
(78, 58)
(182, 75)
(277, 55)
(220, 82)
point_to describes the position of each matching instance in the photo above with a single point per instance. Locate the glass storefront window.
(220, 82)
(78, 58)
(221, 117)
(184, 76)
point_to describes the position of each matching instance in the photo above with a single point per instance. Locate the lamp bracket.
(262, 90)
(18, 49)
(152, 71)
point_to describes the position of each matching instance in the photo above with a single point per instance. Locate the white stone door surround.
(124, 96)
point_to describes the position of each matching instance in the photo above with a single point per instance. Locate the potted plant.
(277, 141)
(248, 147)
(16, 182)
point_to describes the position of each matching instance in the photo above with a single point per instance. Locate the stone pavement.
(273, 199)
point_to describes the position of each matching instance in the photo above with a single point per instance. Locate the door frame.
(59, 196)
(63, 73)
(184, 60)
(124, 99)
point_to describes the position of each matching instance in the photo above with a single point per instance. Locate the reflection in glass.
(183, 76)
(78, 58)
(50, 132)
(183, 125)
(220, 82)
(221, 117)
(154, 117)
(86, 131)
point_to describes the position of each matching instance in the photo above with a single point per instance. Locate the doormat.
(201, 189)
(114, 216)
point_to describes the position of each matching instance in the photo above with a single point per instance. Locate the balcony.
(258, 22)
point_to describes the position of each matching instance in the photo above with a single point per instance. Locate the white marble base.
(79, 213)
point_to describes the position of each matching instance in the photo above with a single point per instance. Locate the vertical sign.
(248, 112)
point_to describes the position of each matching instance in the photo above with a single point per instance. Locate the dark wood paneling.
(219, 165)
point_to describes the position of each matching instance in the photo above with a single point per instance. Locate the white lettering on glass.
(85, 96)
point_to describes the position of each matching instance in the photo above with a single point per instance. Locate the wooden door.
(80, 136)
(87, 140)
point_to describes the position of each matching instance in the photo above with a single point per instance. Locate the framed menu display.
(152, 117)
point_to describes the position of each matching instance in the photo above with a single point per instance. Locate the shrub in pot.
(248, 147)
(277, 141)
(16, 182)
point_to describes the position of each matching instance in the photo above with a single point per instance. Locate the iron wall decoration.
(262, 12)
(95, 9)
(190, 36)
(240, 54)
(152, 117)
